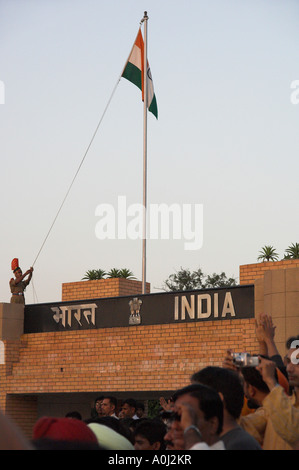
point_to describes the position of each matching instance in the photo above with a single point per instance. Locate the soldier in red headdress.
(18, 284)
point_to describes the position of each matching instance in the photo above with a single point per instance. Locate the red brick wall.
(113, 287)
(250, 272)
(141, 358)
(122, 359)
(23, 409)
(133, 358)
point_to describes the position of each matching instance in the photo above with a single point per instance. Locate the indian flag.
(134, 72)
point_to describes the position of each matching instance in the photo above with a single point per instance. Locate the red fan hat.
(65, 429)
(14, 264)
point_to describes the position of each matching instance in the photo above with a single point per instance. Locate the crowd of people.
(250, 405)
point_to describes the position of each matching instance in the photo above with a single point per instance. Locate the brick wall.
(127, 359)
(277, 294)
(156, 357)
(121, 359)
(250, 272)
(23, 409)
(96, 289)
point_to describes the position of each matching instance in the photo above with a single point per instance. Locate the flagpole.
(145, 19)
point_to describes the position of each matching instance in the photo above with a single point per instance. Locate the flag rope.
(79, 167)
(76, 174)
(35, 299)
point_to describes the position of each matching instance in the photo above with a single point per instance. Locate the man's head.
(174, 437)
(292, 361)
(129, 408)
(97, 405)
(149, 435)
(255, 389)
(18, 273)
(108, 406)
(227, 383)
(208, 407)
(140, 409)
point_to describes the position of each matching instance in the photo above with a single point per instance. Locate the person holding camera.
(282, 408)
(258, 423)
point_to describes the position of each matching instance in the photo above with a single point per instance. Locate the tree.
(114, 272)
(187, 280)
(184, 280)
(126, 274)
(219, 280)
(268, 253)
(94, 274)
(153, 408)
(123, 273)
(292, 252)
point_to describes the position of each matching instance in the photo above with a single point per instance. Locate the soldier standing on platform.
(18, 285)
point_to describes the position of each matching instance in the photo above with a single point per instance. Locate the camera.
(245, 360)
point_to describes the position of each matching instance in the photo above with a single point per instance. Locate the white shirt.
(219, 445)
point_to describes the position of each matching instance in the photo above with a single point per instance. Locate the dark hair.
(225, 381)
(290, 340)
(254, 378)
(131, 402)
(153, 430)
(129, 422)
(113, 400)
(100, 398)
(74, 415)
(139, 404)
(208, 400)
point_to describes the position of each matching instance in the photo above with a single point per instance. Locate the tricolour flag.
(134, 70)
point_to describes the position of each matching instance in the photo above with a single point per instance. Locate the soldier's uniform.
(17, 291)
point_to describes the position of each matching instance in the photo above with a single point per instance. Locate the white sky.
(227, 135)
